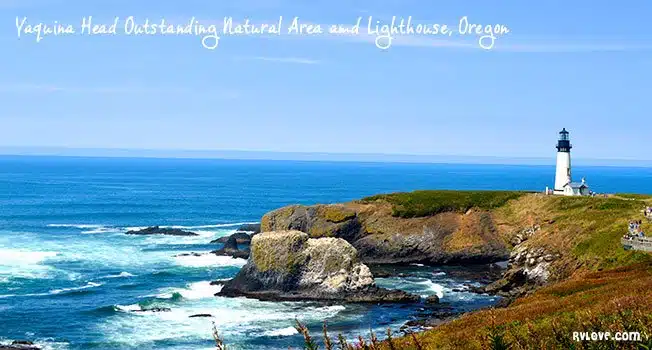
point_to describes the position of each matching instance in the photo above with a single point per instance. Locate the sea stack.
(287, 265)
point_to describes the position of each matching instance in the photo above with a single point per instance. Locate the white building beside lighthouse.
(564, 184)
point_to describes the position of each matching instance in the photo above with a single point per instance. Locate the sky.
(582, 65)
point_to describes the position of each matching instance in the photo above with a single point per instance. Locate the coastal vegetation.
(575, 275)
(426, 203)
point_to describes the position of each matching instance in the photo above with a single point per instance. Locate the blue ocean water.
(71, 279)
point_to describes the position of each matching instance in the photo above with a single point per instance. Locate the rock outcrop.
(156, 230)
(19, 345)
(253, 228)
(379, 237)
(241, 237)
(288, 265)
(231, 249)
(528, 266)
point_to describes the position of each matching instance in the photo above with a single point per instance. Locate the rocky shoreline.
(19, 345)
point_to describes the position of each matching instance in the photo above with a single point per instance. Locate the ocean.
(71, 279)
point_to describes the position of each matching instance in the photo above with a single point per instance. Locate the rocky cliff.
(288, 265)
(545, 239)
(381, 237)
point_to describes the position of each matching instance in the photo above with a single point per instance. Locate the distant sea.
(71, 279)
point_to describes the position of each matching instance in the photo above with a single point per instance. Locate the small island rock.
(231, 249)
(240, 238)
(19, 345)
(287, 265)
(156, 230)
(433, 299)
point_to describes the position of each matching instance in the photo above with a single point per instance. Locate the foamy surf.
(281, 332)
(26, 264)
(234, 317)
(438, 289)
(208, 260)
(17, 257)
(79, 226)
(66, 290)
(122, 274)
(194, 291)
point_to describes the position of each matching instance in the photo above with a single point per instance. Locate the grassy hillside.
(615, 300)
(585, 231)
(595, 285)
(425, 203)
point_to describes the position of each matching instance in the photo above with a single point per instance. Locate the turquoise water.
(71, 279)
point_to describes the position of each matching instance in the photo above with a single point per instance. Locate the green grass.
(596, 226)
(634, 196)
(425, 203)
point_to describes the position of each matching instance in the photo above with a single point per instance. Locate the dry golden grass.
(615, 300)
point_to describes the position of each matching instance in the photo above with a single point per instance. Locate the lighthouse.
(564, 184)
(563, 172)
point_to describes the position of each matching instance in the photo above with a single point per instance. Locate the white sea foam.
(65, 290)
(281, 332)
(102, 229)
(194, 291)
(90, 228)
(440, 273)
(79, 226)
(135, 228)
(13, 257)
(128, 308)
(23, 263)
(236, 318)
(209, 260)
(53, 292)
(416, 264)
(438, 289)
(120, 275)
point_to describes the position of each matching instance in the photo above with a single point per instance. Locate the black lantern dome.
(563, 144)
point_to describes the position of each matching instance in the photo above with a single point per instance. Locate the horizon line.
(98, 152)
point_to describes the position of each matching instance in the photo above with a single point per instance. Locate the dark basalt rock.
(240, 238)
(156, 230)
(201, 315)
(231, 249)
(433, 299)
(155, 309)
(19, 345)
(513, 284)
(371, 294)
(189, 254)
(253, 228)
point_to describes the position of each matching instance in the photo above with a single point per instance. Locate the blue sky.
(583, 65)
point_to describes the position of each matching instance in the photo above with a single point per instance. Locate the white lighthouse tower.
(564, 184)
(563, 172)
